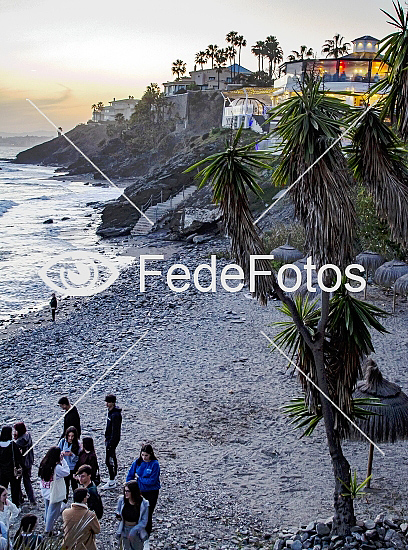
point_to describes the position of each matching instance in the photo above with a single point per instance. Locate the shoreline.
(204, 388)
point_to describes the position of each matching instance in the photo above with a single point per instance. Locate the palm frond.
(378, 160)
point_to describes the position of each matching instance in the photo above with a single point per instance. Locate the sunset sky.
(64, 56)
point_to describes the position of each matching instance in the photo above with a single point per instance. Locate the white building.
(122, 106)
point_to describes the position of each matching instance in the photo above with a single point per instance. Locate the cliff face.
(111, 148)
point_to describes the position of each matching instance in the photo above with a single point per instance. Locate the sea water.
(30, 195)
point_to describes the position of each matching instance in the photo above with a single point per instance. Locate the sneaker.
(64, 506)
(111, 484)
(146, 545)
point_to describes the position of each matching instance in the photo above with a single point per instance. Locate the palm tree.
(330, 350)
(273, 52)
(230, 52)
(394, 51)
(220, 59)
(201, 58)
(231, 39)
(241, 43)
(303, 53)
(178, 68)
(335, 48)
(210, 52)
(99, 109)
(258, 51)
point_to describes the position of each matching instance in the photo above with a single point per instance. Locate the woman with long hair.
(24, 442)
(25, 538)
(11, 463)
(88, 456)
(133, 512)
(70, 448)
(146, 470)
(52, 470)
(8, 510)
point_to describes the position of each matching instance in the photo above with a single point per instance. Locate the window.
(211, 78)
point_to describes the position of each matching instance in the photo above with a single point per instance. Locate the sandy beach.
(206, 390)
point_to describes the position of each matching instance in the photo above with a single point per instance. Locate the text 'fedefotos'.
(234, 272)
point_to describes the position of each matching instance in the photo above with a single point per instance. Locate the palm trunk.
(344, 517)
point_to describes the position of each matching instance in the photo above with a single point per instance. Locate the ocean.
(30, 195)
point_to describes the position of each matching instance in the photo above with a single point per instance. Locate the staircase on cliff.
(157, 211)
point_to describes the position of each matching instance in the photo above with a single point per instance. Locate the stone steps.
(158, 211)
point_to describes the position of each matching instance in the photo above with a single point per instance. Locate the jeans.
(27, 484)
(111, 462)
(132, 543)
(70, 479)
(152, 497)
(52, 511)
(15, 486)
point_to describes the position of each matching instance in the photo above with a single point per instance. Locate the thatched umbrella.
(388, 273)
(400, 287)
(390, 422)
(287, 253)
(370, 261)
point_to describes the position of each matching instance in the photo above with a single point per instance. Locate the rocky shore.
(206, 390)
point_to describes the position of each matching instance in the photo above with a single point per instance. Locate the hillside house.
(108, 113)
(205, 79)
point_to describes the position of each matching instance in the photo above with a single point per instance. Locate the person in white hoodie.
(52, 470)
(8, 511)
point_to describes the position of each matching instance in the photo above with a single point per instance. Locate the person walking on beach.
(71, 417)
(80, 524)
(146, 470)
(53, 305)
(112, 438)
(8, 511)
(52, 470)
(94, 501)
(24, 442)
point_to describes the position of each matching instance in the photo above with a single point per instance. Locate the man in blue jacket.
(112, 438)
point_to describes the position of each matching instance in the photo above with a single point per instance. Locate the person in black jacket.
(24, 442)
(10, 458)
(71, 417)
(53, 305)
(94, 502)
(112, 438)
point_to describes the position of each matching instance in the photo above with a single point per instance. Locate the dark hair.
(88, 444)
(80, 494)
(21, 429)
(147, 448)
(2, 489)
(48, 463)
(133, 487)
(6, 433)
(27, 524)
(75, 442)
(85, 468)
(110, 398)
(63, 401)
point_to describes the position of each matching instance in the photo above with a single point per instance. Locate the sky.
(65, 56)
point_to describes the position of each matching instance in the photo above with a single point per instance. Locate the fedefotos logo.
(234, 272)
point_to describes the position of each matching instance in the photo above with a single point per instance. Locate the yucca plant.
(353, 488)
(232, 174)
(378, 161)
(394, 52)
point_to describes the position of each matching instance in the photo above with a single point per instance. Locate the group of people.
(73, 464)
